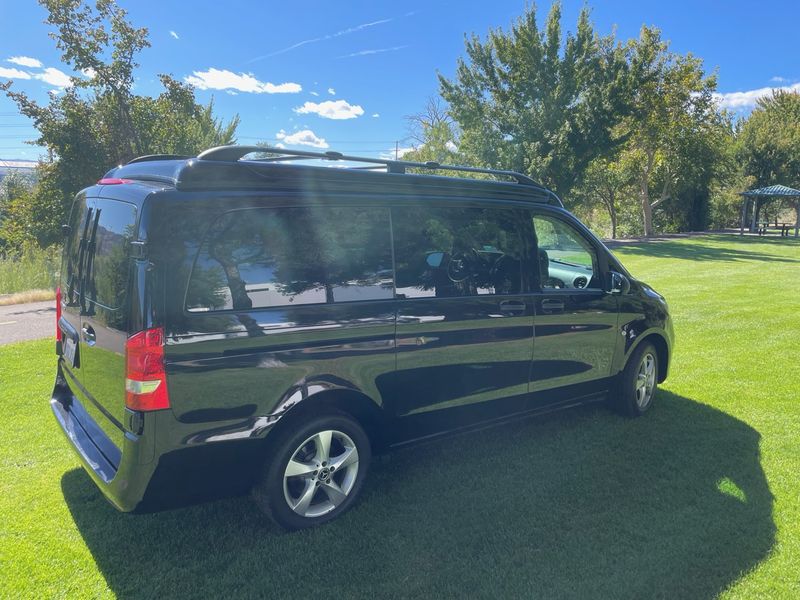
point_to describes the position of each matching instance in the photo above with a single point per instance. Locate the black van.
(229, 324)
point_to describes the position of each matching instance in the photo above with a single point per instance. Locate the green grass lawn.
(699, 498)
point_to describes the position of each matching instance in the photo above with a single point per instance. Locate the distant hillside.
(13, 165)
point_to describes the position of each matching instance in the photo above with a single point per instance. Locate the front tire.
(315, 473)
(638, 382)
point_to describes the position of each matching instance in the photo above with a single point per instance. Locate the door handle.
(512, 306)
(552, 306)
(87, 333)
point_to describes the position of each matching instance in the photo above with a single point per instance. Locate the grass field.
(700, 498)
(35, 269)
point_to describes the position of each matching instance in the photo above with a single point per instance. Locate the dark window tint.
(446, 252)
(566, 259)
(108, 267)
(75, 250)
(291, 256)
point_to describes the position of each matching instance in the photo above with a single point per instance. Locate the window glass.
(75, 250)
(292, 256)
(451, 251)
(108, 270)
(566, 259)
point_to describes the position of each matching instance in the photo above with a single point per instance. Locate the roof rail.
(234, 153)
(149, 157)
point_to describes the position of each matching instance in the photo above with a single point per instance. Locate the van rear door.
(101, 316)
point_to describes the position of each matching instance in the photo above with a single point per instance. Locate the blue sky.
(343, 75)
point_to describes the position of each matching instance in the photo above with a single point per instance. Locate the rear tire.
(315, 472)
(637, 384)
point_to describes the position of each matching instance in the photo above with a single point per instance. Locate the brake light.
(113, 181)
(145, 376)
(58, 314)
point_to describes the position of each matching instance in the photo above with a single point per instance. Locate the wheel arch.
(659, 341)
(352, 402)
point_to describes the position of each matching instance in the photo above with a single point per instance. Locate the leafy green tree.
(769, 143)
(98, 121)
(16, 224)
(607, 182)
(674, 122)
(538, 102)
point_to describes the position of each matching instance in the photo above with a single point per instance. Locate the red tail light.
(58, 313)
(145, 377)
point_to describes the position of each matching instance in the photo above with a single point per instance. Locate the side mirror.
(434, 259)
(618, 283)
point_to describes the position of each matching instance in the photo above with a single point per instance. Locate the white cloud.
(89, 73)
(376, 115)
(13, 74)
(175, 35)
(26, 61)
(54, 77)
(322, 38)
(450, 145)
(748, 99)
(315, 93)
(779, 79)
(306, 137)
(331, 109)
(216, 79)
(368, 52)
(332, 91)
(400, 152)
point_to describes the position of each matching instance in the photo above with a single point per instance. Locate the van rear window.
(96, 269)
(109, 268)
(259, 258)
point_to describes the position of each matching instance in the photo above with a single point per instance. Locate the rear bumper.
(145, 474)
(121, 473)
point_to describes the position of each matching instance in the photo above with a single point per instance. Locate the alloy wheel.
(321, 473)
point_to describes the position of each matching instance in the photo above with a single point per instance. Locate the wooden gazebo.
(753, 200)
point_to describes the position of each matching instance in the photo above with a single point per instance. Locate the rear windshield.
(97, 269)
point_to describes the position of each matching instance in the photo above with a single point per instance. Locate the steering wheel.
(458, 268)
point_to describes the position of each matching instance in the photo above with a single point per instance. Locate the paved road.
(27, 321)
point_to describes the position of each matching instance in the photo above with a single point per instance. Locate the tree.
(98, 121)
(769, 143)
(673, 122)
(527, 101)
(609, 182)
(15, 196)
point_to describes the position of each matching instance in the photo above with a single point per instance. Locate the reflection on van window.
(110, 230)
(447, 252)
(291, 256)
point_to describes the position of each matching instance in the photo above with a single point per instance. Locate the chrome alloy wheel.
(645, 381)
(320, 474)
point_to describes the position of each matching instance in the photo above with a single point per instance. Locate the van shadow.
(577, 504)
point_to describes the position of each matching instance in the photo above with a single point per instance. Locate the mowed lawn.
(699, 498)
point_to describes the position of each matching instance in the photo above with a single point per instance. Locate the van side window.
(260, 258)
(566, 260)
(447, 252)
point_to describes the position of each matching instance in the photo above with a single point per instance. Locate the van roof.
(227, 167)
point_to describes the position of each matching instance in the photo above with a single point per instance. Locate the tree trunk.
(647, 210)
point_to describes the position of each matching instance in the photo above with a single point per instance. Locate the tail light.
(145, 376)
(58, 314)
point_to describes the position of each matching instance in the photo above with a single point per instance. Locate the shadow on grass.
(578, 504)
(697, 250)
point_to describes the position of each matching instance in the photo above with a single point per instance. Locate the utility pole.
(396, 149)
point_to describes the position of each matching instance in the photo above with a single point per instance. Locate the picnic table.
(784, 227)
